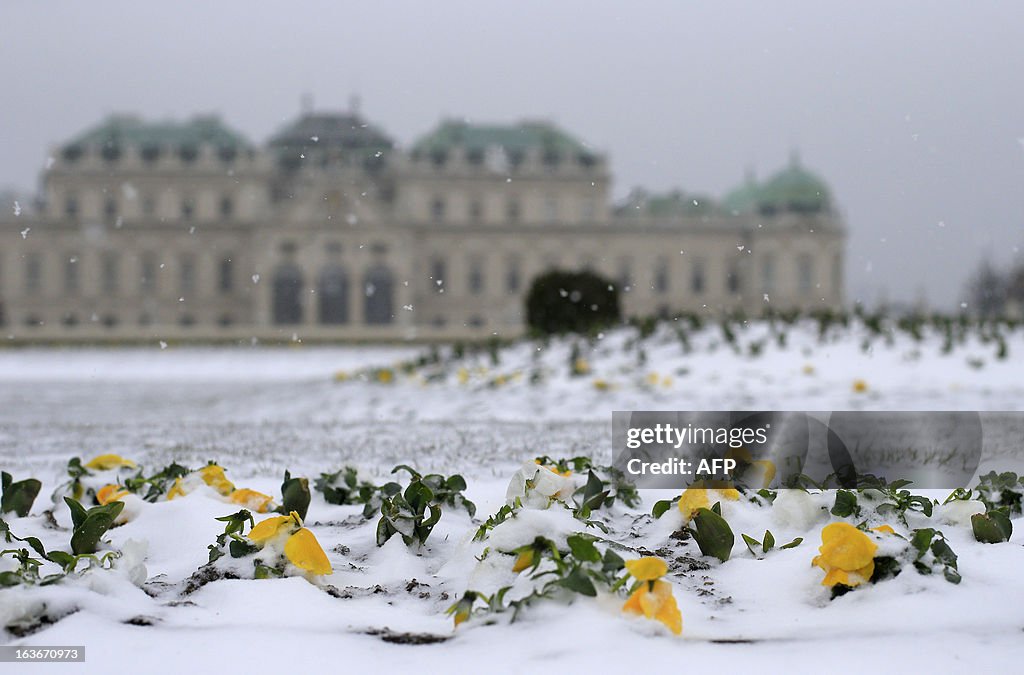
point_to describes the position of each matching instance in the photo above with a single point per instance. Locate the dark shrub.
(571, 302)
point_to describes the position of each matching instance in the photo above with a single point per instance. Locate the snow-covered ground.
(260, 411)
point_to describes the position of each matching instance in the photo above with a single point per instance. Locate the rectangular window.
(805, 273)
(187, 271)
(33, 272)
(148, 278)
(437, 274)
(697, 277)
(476, 277)
(768, 273)
(437, 209)
(661, 277)
(512, 210)
(732, 278)
(226, 275)
(109, 272)
(513, 276)
(71, 274)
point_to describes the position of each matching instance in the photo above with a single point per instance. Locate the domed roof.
(794, 189)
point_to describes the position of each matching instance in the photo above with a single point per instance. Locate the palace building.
(187, 230)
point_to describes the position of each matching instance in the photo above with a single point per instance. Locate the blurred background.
(406, 170)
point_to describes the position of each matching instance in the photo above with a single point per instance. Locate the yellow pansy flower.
(884, 529)
(107, 462)
(251, 499)
(300, 548)
(213, 476)
(808, 369)
(654, 600)
(177, 490)
(554, 469)
(463, 375)
(523, 561)
(602, 385)
(305, 552)
(697, 497)
(110, 493)
(385, 376)
(581, 366)
(463, 608)
(860, 386)
(268, 529)
(341, 376)
(647, 568)
(847, 555)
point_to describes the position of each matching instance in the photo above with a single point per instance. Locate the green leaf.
(295, 495)
(583, 549)
(413, 473)
(10, 579)
(713, 534)
(65, 560)
(578, 581)
(78, 512)
(846, 504)
(943, 553)
(793, 544)
(993, 527)
(612, 561)
(98, 520)
(922, 539)
(456, 483)
(769, 541)
(240, 549)
(660, 507)
(750, 542)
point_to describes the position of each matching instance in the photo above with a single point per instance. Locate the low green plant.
(91, 524)
(238, 546)
(411, 514)
(294, 495)
(19, 496)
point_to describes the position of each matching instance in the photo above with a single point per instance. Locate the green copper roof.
(668, 204)
(512, 138)
(790, 189)
(794, 189)
(119, 130)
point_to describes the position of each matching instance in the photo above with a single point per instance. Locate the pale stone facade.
(187, 231)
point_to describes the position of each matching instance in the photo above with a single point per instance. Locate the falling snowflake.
(17, 208)
(255, 278)
(24, 233)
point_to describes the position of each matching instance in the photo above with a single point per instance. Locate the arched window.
(287, 302)
(379, 286)
(332, 291)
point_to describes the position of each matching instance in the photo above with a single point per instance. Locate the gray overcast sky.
(912, 111)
